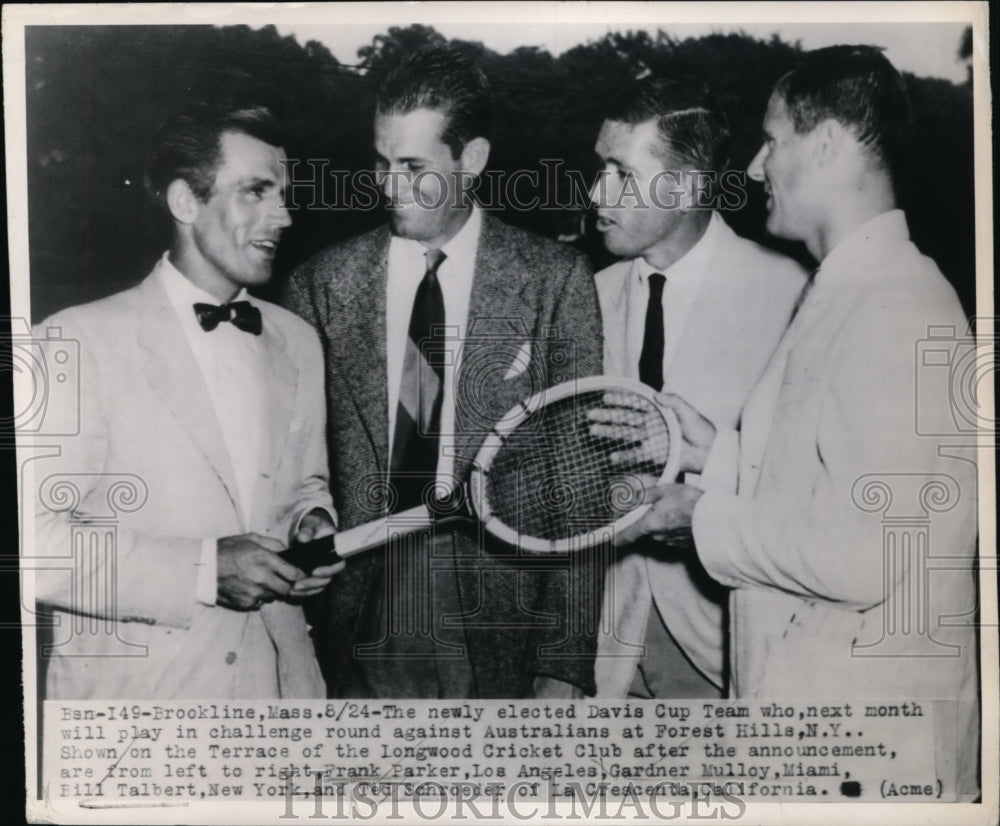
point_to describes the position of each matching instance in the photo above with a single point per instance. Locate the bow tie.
(243, 315)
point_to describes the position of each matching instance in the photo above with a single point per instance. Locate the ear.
(684, 194)
(182, 202)
(829, 138)
(475, 155)
(687, 183)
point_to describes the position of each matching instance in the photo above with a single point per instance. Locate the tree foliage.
(95, 96)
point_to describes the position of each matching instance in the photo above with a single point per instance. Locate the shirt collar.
(691, 266)
(875, 236)
(183, 294)
(460, 249)
(463, 246)
(178, 284)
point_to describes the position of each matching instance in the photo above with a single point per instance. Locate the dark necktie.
(403, 647)
(651, 358)
(415, 444)
(242, 314)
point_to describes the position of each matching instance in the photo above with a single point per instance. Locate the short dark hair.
(441, 78)
(189, 145)
(693, 128)
(856, 86)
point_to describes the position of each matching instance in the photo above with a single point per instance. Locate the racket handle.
(375, 534)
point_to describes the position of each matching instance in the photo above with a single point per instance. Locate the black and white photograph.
(504, 412)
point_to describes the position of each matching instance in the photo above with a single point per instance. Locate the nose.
(282, 218)
(393, 183)
(599, 192)
(756, 168)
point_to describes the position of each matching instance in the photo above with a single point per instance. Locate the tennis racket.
(561, 471)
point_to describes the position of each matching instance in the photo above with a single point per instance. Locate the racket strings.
(554, 478)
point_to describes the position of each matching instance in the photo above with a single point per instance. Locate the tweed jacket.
(149, 467)
(742, 307)
(528, 295)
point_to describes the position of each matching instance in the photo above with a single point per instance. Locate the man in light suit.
(805, 513)
(693, 309)
(455, 614)
(202, 417)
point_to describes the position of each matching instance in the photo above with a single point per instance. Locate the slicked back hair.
(189, 146)
(693, 128)
(444, 80)
(860, 89)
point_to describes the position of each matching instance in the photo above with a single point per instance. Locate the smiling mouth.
(267, 247)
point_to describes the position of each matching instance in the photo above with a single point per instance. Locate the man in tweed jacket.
(477, 619)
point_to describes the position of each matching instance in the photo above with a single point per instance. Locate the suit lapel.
(500, 322)
(174, 375)
(281, 376)
(612, 284)
(721, 331)
(501, 275)
(709, 329)
(360, 324)
(763, 406)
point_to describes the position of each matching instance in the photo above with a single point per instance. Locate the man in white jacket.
(201, 432)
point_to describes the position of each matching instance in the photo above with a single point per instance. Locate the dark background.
(96, 94)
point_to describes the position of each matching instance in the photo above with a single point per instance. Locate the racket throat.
(456, 505)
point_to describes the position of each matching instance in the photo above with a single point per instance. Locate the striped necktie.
(413, 466)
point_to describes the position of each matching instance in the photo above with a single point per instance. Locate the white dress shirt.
(230, 363)
(683, 278)
(407, 265)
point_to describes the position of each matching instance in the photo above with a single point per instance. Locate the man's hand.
(698, 432)
(315, 583)
(641, 431)
(250, 572)
(639, 427)
(669, 518)
(314, 525)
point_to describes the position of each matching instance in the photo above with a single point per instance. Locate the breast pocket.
(495, 375)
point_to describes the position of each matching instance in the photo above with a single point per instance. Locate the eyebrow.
(256, 180)
(612, 159)
(409, 159)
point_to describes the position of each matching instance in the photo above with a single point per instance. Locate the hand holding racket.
(630, 427)
(666, 518)
(311, 551)
(544, 481)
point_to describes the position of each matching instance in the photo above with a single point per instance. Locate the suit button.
(230, 658)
